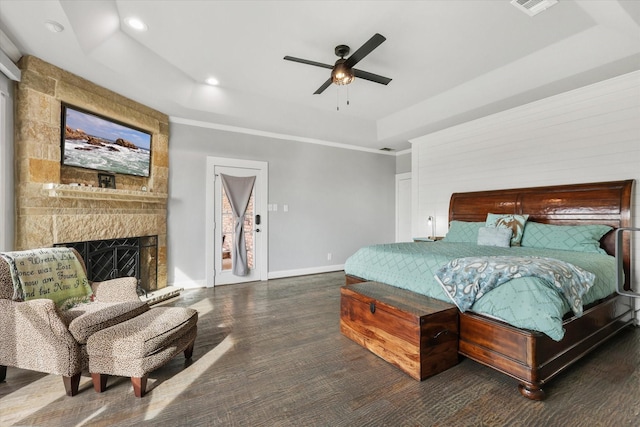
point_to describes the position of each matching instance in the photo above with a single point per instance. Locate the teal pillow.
(463, 232)
(493, 236)
(512, 221)
(580, 238)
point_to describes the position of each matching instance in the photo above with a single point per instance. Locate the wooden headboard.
(575, 204)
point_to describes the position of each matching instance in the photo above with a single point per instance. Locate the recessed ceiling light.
(136, 24)
(53, 26)
(212, 81)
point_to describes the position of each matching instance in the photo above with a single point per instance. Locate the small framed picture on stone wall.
(106, 180)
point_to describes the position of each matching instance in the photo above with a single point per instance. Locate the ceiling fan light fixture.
(340, 74)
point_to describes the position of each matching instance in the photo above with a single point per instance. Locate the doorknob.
(257, 230)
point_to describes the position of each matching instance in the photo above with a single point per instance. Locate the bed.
(531, 355)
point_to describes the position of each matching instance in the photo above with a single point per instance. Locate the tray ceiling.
(450, 62)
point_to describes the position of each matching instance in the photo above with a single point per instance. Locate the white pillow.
(492, 236)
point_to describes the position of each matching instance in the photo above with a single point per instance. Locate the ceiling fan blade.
(371, 77)
(364, 50)
(323, 87)
(306, 61)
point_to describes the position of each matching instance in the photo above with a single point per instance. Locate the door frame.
(399, 178)
(210, 253)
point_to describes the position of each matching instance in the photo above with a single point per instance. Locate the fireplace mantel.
(69, 191)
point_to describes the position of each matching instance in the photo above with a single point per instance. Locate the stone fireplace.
(58, 204)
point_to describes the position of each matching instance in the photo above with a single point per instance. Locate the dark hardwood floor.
(271, 354)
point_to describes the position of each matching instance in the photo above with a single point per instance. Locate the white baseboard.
(193, 284)
(304, 271)
(189, 284)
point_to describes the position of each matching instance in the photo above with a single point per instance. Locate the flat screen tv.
(94, 142)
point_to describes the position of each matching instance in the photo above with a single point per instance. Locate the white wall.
(339, 200)
(403, 162)
(590, 134)
(6, 165)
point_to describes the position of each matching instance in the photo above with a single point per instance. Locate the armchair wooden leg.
(139, 385)
(3, 373)
(71, 384)
(99, 382)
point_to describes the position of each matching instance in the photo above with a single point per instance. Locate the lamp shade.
(340, 74)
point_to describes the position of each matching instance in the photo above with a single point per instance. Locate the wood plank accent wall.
(589, 134)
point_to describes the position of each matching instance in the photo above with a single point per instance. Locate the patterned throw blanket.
(51, 273)
(467, 279)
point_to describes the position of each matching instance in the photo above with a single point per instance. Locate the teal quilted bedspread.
(526, 302)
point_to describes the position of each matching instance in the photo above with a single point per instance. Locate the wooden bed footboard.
(533, 358)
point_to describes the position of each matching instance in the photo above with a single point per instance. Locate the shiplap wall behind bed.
(589, 134)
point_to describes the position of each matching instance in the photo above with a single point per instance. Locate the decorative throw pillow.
(514, 222)
(51, 273)
(463, 232)
(581, 238)
(492, 236)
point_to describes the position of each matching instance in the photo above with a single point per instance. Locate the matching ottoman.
(140, 345)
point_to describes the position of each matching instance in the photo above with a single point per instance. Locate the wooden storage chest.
(416, 333)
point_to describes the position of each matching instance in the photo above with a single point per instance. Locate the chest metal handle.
(444, 332)
(372, 307)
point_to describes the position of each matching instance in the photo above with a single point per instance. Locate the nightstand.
(427, 239)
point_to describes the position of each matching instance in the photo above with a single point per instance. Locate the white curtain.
(238, 189)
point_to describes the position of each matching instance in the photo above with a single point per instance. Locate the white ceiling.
(450, 61)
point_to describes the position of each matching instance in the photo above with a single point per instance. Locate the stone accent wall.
(48, 208)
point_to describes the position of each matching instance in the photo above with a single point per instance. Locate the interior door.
(403, 208)
(220, 221)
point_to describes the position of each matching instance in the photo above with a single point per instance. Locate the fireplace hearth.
(125, 257)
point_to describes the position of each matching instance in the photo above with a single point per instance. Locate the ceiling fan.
(342, 72)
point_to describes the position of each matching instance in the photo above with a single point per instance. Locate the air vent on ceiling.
(533, 7)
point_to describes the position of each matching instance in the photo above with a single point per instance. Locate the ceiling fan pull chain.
(347, 95)
(338, 98)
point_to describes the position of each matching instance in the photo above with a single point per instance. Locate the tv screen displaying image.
(94, 142)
